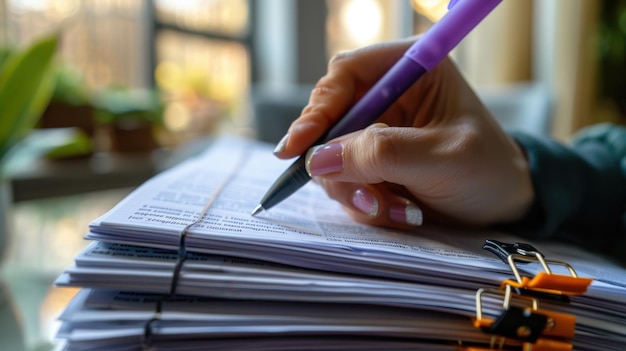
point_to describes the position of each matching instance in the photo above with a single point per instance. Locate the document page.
(210, 197)
(129, 268)
(238, 172)
(122, 312)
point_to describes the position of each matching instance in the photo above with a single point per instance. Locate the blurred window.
(202, 63)
(196, 51)
(212, 17)
(356, 23)
(104, 39)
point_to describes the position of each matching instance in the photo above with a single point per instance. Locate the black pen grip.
(291, 180)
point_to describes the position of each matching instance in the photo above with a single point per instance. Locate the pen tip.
(256, 210)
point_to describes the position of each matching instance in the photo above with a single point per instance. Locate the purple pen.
(422, 56)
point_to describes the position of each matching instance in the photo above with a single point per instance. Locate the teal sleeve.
(580, 189)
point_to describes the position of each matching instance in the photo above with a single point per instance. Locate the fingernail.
(324, 159)
(407, 213)
(365, 201)
(280, 147)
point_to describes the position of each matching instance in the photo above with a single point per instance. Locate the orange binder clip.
(525, 327)
(548, 344)
(558, 325)
(537, 329)
(520, 323)
(547, 281)
(542, 344)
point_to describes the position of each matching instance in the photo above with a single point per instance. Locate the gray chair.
(275, 109)
(526, 107)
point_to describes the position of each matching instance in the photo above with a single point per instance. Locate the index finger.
(350, 75)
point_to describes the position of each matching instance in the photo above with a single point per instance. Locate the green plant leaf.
(52, 142)
(77, 144)
(4, 53)
(26, 84)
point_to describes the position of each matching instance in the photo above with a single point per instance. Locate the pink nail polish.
(406, 214)
(324, 159)
(365, 201)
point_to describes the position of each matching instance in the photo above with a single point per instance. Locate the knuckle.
(322, 90)
(467, 138)
(466, 141)
(380, 155)
(340, 57)
(317, 106)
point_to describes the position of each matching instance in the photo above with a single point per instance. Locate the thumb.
(374, 155)
(357, 173)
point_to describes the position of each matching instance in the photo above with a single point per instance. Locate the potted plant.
(70, 104)
(130, 117)
(26, 84)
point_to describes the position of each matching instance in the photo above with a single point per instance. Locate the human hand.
(436, 154)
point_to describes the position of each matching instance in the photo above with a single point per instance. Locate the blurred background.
(145, 83)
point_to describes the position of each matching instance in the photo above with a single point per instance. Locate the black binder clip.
(514, 322)
(504, 250)
(535, 329)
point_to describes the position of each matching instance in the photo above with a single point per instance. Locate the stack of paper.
(180, 264)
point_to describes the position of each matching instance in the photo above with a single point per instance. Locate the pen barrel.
(378, 99)
(446, 33)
